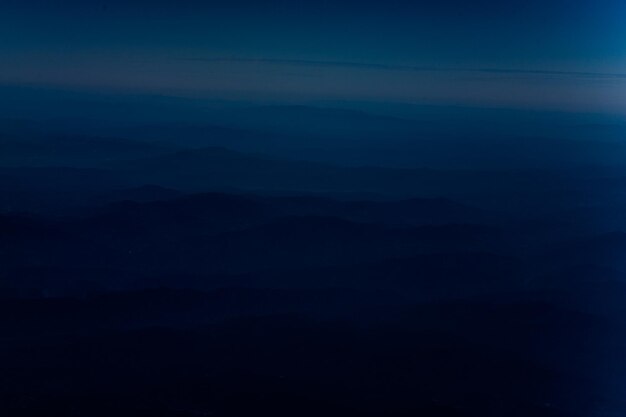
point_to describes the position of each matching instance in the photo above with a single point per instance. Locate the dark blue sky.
(541, 54)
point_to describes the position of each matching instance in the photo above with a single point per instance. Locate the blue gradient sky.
(559, 54)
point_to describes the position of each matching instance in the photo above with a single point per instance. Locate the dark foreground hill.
(152, 280)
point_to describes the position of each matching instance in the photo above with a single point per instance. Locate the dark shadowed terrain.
(308, 261)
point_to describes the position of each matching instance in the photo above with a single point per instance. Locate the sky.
(552, 54)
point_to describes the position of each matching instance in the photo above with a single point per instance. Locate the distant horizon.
(548, 55)
(28, 92)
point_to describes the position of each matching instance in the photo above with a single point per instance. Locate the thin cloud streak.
(386, 67)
